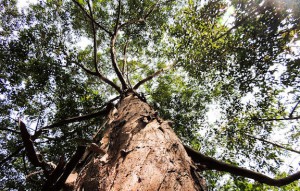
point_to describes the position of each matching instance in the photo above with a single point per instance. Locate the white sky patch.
(2, 97)
(248, 98)
(21, 4)
(228, 18)
(295, 46)
(83, 42)
(213, 114)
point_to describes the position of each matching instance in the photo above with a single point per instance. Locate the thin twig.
(239, 23)
(134, 21)
(140, 20)
(89, 16)
(279, 119)
(272, 143)
(114, 36)
(85, 69)
(136, 86)
(78, 64)
(232, 28)
(294, 108)
(33, 173)
(9, 157)
(24, 163)
(10, 130)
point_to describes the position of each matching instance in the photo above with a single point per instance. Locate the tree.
(92, 92)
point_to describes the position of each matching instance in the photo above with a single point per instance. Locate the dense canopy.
(226, 73)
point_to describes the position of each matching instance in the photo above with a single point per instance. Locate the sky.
(25, 3)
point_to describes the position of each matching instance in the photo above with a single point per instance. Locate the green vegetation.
(239, 56)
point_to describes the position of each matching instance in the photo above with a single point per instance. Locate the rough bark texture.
(142, 153)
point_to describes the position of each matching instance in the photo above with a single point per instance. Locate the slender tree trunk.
(141, 153)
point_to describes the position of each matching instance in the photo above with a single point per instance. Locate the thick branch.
(113, 49)
(114, 61)
(126, 65)
(106, 80)
(68, 168)
(136, 86)
(214, 164)
(274, 144)
(125, 58)
(28, 143)
(113, 39)
(90, 17)
(94, 39)
(55, 174)
(111, 83)
(118, 17)
(75, 119)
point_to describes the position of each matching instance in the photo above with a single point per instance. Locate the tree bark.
(141, 153)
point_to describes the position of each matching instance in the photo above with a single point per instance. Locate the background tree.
(236, 60)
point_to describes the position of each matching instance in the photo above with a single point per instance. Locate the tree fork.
(142, 153)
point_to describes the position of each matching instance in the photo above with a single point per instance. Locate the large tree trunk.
(141, 153)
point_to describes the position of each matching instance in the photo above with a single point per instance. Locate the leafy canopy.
(236, 60)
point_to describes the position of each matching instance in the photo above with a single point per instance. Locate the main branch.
(114, 61)
(94, 39)
(93, 23)
(114, 36)
(118, 17)
(74, 119)
(68, 168)
(213, 164)
(28, 144)
(103, 78)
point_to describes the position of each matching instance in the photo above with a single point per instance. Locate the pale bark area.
(142, 153)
